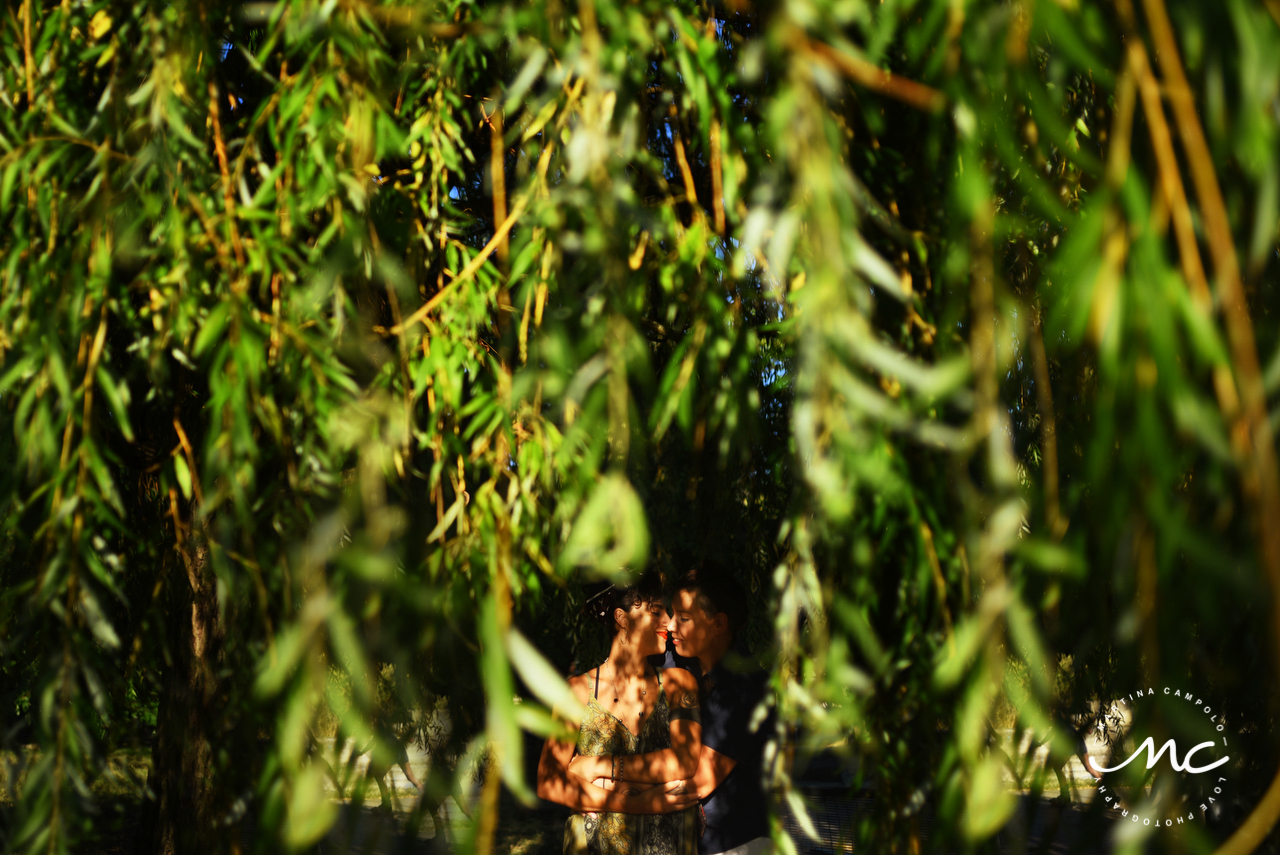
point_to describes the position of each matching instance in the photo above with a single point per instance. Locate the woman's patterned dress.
(626, 833)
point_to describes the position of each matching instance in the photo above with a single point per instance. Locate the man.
(709, 608)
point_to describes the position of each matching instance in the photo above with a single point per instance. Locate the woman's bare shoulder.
(581, 685)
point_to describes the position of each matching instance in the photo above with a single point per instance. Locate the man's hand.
(658, 798)
(680, 788)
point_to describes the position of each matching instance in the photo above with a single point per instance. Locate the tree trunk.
(188, 813)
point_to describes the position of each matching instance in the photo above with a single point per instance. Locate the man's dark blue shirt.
(738, 810)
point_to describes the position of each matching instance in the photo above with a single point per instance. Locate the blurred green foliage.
(343, 342)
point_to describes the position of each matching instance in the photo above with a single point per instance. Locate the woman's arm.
(557, 784)
(678, 762)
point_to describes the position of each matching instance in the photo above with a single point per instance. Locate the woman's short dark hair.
(601, 606)
(716, 591)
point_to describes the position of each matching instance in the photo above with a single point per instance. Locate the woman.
(640, 723)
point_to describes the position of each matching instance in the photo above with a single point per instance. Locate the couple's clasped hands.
(668, 797)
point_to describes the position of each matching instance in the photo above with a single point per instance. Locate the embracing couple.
(666, 761)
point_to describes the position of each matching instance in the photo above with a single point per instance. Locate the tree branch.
(1251, 435)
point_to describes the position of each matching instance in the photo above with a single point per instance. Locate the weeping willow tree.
(342, 341)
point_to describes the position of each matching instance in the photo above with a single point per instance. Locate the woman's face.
(647, 628)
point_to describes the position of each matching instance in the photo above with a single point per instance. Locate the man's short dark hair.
(716, 591)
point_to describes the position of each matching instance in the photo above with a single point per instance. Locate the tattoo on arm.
(686, 707)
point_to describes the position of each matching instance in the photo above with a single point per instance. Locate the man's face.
(690, 629)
